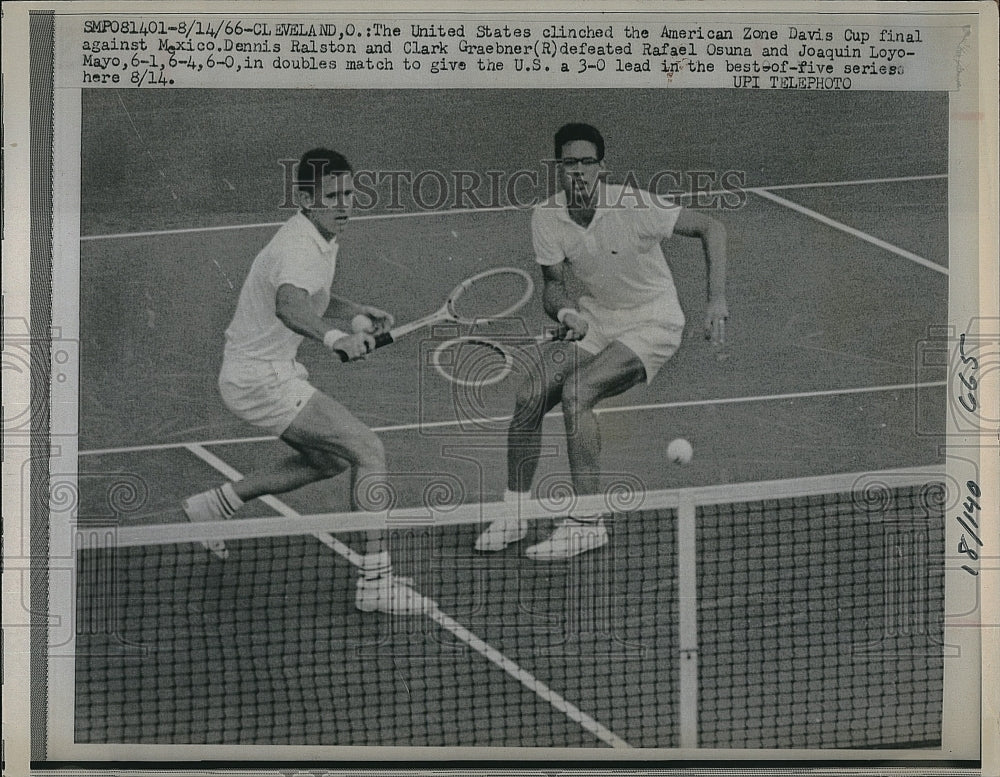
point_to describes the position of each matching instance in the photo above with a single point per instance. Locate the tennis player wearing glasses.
(286, 298)
(626, 326)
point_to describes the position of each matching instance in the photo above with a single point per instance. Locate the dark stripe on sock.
(227, 508)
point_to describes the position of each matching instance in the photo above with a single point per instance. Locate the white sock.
(376, 565)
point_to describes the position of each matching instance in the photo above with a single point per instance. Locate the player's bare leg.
(327, 430)
(292, 472)
(536, 394)
(329, 440)
(612, 371)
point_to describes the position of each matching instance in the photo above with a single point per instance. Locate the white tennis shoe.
(502, 532)
(570, 538)
(391, 594)
(204, 507)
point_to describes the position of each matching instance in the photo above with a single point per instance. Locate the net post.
(687, 611)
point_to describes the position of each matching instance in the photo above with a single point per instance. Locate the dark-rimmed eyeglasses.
(572, 161)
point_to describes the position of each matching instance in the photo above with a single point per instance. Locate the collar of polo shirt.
(323, 244)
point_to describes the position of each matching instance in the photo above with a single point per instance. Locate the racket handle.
(383, 338)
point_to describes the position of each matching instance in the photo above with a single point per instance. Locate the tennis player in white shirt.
(624, 329)
(286, 298)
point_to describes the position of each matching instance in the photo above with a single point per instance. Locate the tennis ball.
(680, 451)
(361, 323)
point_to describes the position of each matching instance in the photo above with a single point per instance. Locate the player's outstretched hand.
(356, 346)
(383, 321)
(575, 326)
(715, 320)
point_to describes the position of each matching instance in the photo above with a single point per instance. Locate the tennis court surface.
(765, 596)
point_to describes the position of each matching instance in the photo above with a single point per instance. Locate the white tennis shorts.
(267, 394)
(650, 331)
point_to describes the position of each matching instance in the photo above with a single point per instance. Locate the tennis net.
(788, 614)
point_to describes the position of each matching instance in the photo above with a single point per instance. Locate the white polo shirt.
(617, 257)
(297, 254)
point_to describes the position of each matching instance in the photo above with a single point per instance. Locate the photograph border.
(30, 230)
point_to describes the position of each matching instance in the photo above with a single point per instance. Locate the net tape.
(865, 488)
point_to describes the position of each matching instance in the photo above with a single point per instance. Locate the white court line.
(600, 411)
(850, 230)
(469, 211)
(861, 182)
(571, 711)
(488, 652)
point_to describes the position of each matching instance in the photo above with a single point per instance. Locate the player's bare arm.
(291, 306)
(712, 234)
(556, 300)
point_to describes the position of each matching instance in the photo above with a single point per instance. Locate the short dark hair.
(319, 162)
(567, 133)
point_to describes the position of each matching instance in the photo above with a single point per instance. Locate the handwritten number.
(970, 383)
(963, 547)
(970, 506)
(966, 359)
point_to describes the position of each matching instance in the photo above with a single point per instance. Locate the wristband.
(562, 313)
(332, 336)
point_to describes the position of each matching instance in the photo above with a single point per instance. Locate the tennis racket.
(486, 296)
(477, 361)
